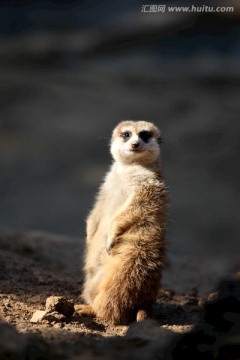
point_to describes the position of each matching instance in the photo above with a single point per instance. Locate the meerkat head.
(136, 142)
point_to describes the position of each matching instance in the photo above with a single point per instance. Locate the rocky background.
(71, 70)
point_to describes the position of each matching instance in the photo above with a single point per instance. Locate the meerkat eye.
(126, 135)
(145, 135)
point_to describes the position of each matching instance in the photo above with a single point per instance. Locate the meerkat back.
(125, 248)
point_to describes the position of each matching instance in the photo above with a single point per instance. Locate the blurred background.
(71, 70)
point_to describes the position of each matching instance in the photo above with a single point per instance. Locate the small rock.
(213, 296)
(37, 316)
(201, 302)
(166, 294)
(21, 327)
(59, 304)
(59, 325)
(191, 301)
(46, 317)
(54, 317)
(45, 322)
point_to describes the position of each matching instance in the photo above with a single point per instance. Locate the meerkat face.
(136, 142)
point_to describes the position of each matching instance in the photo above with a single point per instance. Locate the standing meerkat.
(126, 229)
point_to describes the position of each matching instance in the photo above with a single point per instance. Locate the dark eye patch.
(145, 135)
(126, 135)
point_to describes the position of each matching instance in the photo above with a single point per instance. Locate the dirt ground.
(36, 265)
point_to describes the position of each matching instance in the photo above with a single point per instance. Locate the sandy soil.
(36, 265)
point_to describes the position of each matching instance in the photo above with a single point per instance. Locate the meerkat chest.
(116, 193)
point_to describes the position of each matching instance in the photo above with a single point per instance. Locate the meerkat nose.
(135, 145)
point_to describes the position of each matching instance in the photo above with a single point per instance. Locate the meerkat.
(125, 246)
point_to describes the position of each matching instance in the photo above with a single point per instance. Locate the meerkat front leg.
(122, 222)
(117, 227)
(113, 237)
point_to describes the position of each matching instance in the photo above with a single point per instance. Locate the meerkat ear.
(159, 140)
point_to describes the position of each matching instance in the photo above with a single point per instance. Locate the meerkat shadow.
(89, 322)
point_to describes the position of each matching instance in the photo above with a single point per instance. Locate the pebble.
(60, 304)
(37, 316)
(58, 309)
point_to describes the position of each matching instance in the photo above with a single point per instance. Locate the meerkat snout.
(135, 145)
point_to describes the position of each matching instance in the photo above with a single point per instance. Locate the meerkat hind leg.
(143, 314)
(84, 310)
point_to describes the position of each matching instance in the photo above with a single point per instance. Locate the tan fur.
(126, 229)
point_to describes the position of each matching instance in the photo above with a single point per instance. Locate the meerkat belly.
(96, 254)
(112, 206)
(113, 202)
